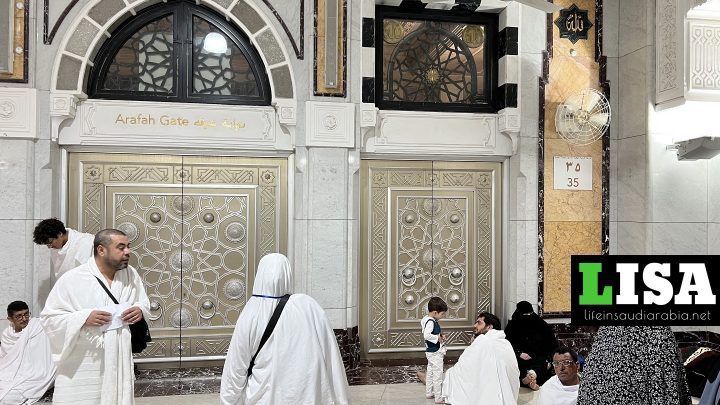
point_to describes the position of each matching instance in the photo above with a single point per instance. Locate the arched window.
(182, 52)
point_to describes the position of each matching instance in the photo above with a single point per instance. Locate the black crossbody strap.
(112, 297)
(268, 330)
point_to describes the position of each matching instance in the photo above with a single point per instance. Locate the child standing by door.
(434, 348)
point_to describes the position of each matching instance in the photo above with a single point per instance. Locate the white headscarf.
(274, 277)
(300, 364)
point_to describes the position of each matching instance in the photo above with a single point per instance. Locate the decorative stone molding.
(17, 113)
(368, 120)
(286, 111)
(91, 28)
(330, 124)
(669, 50)
(368, 115)
(509, 124)
(438, 134)
(703, 60)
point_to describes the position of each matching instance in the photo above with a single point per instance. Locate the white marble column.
(326, 225)
(520, 274)
(28, 190)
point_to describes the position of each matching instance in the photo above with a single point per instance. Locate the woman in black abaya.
(533, 341)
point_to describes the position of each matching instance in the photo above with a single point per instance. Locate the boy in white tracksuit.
(434, 348)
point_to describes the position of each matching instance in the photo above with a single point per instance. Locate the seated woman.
(533, 341)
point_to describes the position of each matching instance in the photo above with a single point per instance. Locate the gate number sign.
(572, 173)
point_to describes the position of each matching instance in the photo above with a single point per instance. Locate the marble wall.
(659, 205)
(629, 52)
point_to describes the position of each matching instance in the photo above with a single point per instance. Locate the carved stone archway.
(98, 18)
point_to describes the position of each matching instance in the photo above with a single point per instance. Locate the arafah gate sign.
(178, 125)
(645, 290)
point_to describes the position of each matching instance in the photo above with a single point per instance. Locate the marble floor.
(378, 394)
(369, 384)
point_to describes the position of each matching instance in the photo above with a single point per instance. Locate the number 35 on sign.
(572, 173)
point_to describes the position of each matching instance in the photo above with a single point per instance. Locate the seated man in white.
(26, 366)
(562, 388)
(486, 372)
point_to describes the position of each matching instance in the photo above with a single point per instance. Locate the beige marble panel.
(562, 240)
(573, 205)
(573, 219)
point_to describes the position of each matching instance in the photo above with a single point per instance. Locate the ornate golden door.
(197, 227)
(428, 229)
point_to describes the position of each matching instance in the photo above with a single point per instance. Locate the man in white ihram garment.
(26, 366)
(68, 247)
(300, 363)
(562, 388)
(487, 372)
(89, 334)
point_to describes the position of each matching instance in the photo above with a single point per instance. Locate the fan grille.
(583, 118)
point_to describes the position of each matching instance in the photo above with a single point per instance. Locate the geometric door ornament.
(428, 229)
(197, 227)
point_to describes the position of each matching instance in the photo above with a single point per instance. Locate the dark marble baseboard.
(580, 339)
(349, 343)
(177, 381)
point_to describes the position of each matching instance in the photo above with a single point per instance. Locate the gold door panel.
(197, 227)
(194, 237)
(428, 229)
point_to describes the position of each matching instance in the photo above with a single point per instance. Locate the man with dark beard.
(89, 334)
(486, 372)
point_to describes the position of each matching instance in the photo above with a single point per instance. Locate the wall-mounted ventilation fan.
(541, 5)
(583, 118)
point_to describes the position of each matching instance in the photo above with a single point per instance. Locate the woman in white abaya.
(300, 363)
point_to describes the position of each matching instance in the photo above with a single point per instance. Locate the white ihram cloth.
(553, 392)
(94, 367)
(300, 363)
(486, 373)
(26, 366)
(76, 252)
